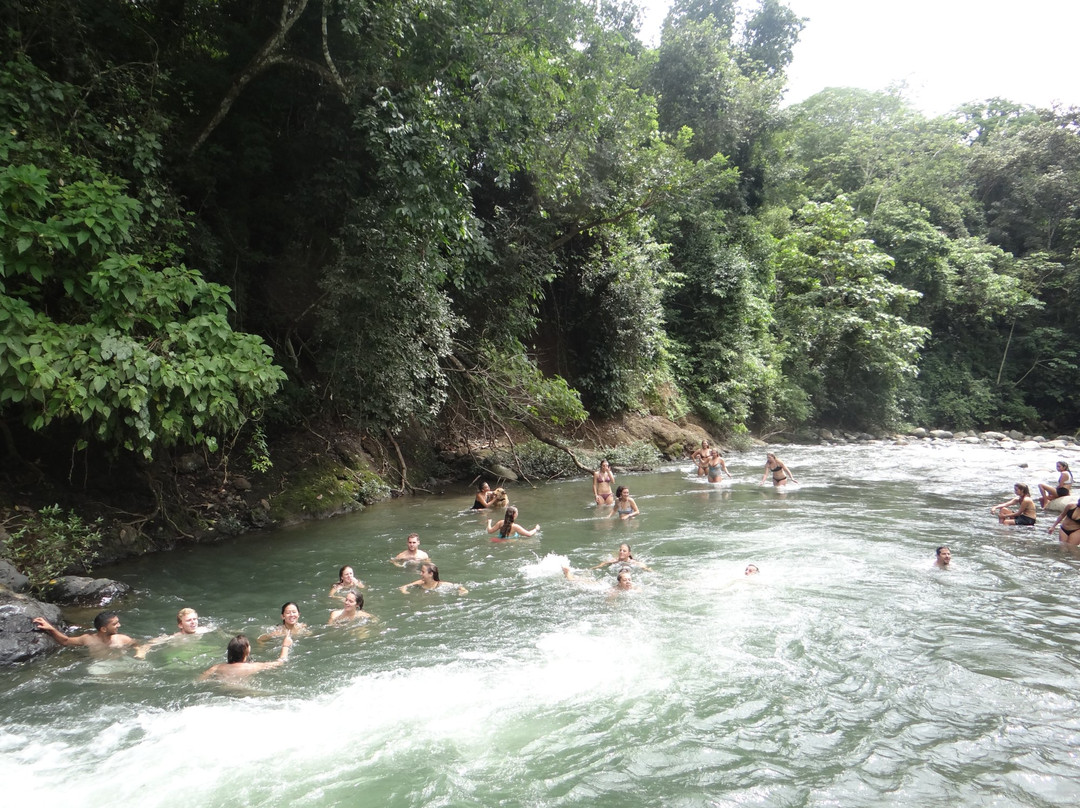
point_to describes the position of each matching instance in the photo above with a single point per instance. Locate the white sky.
(947, 51)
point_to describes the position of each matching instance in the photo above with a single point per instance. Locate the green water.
(849, 672)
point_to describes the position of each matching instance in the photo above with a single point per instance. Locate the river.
(849, 672)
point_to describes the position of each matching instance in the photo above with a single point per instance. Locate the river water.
(849, 672)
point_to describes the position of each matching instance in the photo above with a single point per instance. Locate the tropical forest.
(448, 222)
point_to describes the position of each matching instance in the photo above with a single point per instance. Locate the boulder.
(941, 434)
(1015, 434)
(918, 433)
(75, 590)
(1030, 444)
(1054, 444)
(19, 640)
(12, 578)
(992, 436)
(971, 439)
(503, 472)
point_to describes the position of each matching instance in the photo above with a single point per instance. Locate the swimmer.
(623, 582)
(290, 624)
(1024, 514)
(625, 507)
(346, 582)
(106, 641)
(751, 569)
(187, 621)
(778, 469)
(701, 458)
(484, 495)
(716, 467)
(238, 666)
(943, 555)
(353, 610)
(1062, 489)
(624, 559)
(601, 484)
(412, 554)
(429, 581)
(508, 527)
(1068, 526)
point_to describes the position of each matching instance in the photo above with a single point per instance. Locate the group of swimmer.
(1021, 510)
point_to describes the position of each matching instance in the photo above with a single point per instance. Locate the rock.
(918, 433)
(1039, 439)
(189, 463)
(1015, 435)
(241, 483)
(75, 590)
(826, 435)
(1065, 439)
(992, 436)
(941, 434)
(19, 640)
(12, 578)
(972, 439)
(1030, 444)
(502, 471)
(1054, 444)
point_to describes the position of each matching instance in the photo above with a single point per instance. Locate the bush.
(49, 544)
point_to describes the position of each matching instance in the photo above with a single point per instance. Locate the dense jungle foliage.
(220, 216)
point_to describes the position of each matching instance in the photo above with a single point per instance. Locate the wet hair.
(605, 460)
(238, 649)
(434, 572)
(180, 615)
(622, 573)
(340, 578)
(942, 547)
(1023, 490)
(1064, 465)
(619, 490)
(629, 552)
(358, 596)
(103, 619)
(508, 521)
(482, 484)
(286, 606)
(413, 536)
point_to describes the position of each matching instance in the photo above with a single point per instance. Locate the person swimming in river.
(1062, 489)
(716, 467)
(508, 526)
(623, 559)
(187, 623)
(290, 624)
(106, 641)
(601, 484)
(778, 469)
(625, 507)
(430, 582)
(623, 582)
(484, 495)
(1025, 512)
(238, 664)
(352, 610)
(346, 582)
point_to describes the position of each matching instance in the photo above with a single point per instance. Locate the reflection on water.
(848, 672)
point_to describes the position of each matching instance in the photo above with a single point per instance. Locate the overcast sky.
(947, 51)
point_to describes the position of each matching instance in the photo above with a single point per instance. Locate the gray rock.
(12, 578)
(1015, 434)
(972, 439)
(75, 590)
(189, 463)
(19, 640)
(241, 483)
(941, 434)
(1030, 444)
(918, 433)
(826, 435)
(992, 436)
(504, 472)
(1066, 438)
(1039, 438)
(1054, 444)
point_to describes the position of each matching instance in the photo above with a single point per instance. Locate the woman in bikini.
(353, 610)
(1068, 526)
(601, 484)
(508, 527)
(778, 469)
(347, 582)
(625, 507)
(1025, 508)
(484, 495)
(429, 581)
(701, 458)
(1064, 485)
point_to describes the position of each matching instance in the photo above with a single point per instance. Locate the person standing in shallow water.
(601, 484)
(778, 469)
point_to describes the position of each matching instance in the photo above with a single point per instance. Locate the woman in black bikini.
(484, 495)
(778, 469)
(1062, 489)
(1068, 525)
(1024, 514)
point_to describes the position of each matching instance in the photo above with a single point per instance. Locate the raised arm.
(491, 528)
